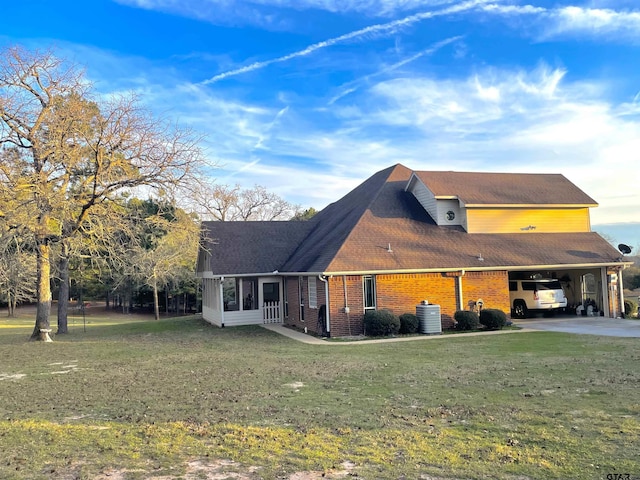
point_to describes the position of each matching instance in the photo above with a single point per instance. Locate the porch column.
(221, 302)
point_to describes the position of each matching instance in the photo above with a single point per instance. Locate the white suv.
(545, 294)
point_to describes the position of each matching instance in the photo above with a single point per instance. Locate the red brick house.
(402, 237)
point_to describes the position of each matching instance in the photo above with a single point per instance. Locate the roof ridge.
(332, 221)
(367, 207)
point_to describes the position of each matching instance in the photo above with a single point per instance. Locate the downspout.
(346, 301)
(221, 303)
(460, 297)
(326, 302)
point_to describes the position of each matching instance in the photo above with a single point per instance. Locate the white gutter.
(210, 274)
(571, 206)
(467, 269)
(326, 303)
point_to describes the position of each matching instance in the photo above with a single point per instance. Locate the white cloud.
(548, 23)
(527, 120)
(503, 120)
(592, 21)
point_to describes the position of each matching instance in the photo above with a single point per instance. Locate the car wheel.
(519, 309)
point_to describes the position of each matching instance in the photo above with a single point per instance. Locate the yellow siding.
(517, 220)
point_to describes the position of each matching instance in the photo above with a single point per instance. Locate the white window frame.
(365, 279)
(313, 292)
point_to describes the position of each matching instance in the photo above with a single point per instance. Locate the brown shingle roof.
(236, 248)
(396, 218)
(480, 188)
(337, 221)
(354, 233)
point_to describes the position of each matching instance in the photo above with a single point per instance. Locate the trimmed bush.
(630, 308)
(408, 323)
(466, 320)
(493, 319)
(379, 323)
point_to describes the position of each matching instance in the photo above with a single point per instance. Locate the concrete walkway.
(310, 339)
(611, 327)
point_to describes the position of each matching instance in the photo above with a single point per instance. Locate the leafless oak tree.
(228, 204)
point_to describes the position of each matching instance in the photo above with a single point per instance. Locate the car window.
(549, 285)
(529, 286)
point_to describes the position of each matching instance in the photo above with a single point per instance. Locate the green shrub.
(493, 319)
(378, 323)
(408, 323)
(466, 320)
(630, 308)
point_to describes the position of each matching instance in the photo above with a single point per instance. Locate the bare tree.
(17, 269)
(72, 153)
(229, 204)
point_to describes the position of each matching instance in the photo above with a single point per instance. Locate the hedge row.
(382, 323)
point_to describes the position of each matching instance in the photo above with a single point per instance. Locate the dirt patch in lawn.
(213, 470)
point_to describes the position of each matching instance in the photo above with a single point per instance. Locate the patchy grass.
(145, 399)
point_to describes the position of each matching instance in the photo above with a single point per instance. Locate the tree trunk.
(63, 293)
(156, 305)
(10, 306)
(42, 328)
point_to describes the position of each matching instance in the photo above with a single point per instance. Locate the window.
(230, 289)
(369, 292)
(313, 292)
(301, 297)
(250, 293)
(589, 286)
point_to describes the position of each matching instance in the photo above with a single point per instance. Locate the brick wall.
(401, 293)
(310, 320)
(343, 323)
(491, 287)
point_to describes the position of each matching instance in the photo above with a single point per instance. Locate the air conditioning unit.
(429, 321)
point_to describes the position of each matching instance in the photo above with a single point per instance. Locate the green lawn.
(181, 399)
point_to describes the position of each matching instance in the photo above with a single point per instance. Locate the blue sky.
(310, 97)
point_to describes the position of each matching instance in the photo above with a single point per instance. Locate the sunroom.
(242, 300)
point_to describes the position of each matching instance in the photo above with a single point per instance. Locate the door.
(270, 300)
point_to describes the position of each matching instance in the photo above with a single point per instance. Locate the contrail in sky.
(373, 29)
(350, 87)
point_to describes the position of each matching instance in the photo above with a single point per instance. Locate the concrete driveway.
(613, 327)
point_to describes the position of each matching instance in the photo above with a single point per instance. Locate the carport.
(597, 285)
